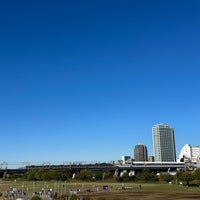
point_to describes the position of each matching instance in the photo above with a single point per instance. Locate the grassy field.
(116, 191)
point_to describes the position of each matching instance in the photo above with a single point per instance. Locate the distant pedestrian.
(50, 196)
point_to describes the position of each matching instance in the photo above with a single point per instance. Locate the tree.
(73, 197)
(30, 175)
(147, 176)
(185, 176)
(166, 177)
(39, 175)
(125, 177)
(197, 174)
(85, 175)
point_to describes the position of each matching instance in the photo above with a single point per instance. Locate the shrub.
(86, 198)
(115, 198)
(74, 197)
(35, 198)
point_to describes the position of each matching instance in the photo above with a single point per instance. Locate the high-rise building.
(163, 143)
(186, 153)
(140, 153)
(151, 159)
(195, 153)
(190, 153)
(126, 159)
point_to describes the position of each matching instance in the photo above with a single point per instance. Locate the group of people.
(14, 192)
(54, 195)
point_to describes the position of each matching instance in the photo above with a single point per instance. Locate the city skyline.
(87, 80)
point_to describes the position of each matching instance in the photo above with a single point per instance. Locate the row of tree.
(187, 177)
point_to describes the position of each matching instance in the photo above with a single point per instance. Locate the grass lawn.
(116, 191)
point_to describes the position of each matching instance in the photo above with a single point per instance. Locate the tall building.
(186, 153)
(126, 159)
(163, 143)
(140, 153)
(195, 153)
(190, 153)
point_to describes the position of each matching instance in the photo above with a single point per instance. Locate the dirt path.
(143, 195)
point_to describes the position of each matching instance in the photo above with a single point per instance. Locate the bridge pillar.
(117, 173)
(131, 173)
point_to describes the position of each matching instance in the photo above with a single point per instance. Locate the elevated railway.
(134, 166)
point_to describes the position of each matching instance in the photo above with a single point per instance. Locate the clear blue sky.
(87, 80)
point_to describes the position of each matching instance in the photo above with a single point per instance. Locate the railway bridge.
(134, 167)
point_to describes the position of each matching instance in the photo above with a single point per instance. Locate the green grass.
(64, 187)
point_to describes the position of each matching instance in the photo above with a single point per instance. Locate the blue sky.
(87, 80)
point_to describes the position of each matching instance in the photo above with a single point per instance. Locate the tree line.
(146, 175)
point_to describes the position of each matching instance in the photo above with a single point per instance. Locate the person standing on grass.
(50, 196)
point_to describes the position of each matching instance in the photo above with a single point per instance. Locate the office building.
(163, 143)
(195, 153)
(186, 153)
(126, 159)
(190, 153)
(151, 159)
(140, 153)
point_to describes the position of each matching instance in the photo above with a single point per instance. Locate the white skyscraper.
(186, 153)
(195, 153)
(190, 153)
(164, 143)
